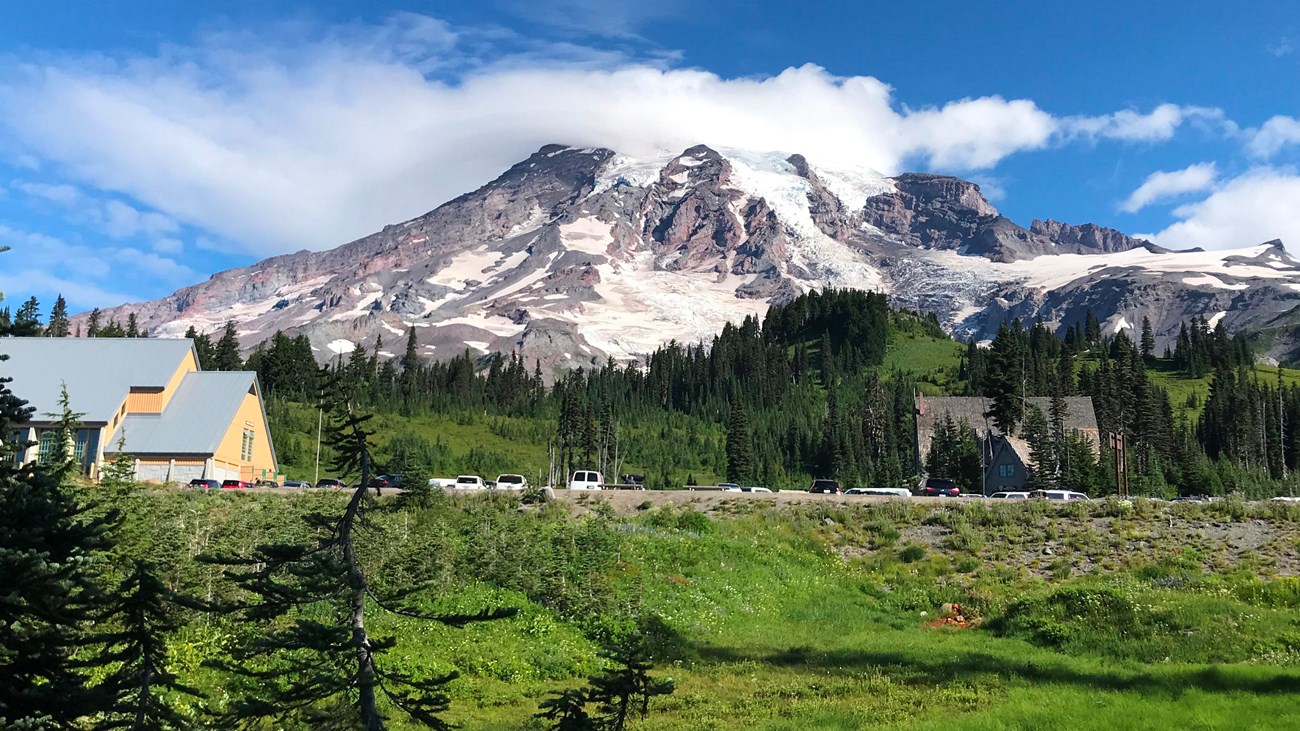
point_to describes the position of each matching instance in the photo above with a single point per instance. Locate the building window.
(49, 442)
(16, 443)
(246, 448)
(1006, 470)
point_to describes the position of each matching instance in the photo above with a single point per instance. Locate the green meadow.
(810, 615)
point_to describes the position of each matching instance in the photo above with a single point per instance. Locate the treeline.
(805, 377)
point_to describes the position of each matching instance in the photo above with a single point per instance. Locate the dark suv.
(205, 484)
(940, 487)
(328, 482)
(825, 487)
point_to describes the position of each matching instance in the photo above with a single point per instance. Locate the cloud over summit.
(276, 146)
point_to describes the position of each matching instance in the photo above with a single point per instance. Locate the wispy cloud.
(113, 217)
(1129, 125)
(88, 275)
(1164, 185)
(1281, 47)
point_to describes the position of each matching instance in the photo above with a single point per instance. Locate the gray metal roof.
(195, 420)
(99, 372)
(971, 409)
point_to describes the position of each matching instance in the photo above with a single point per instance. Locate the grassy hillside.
(818, 616)
(1188, 395)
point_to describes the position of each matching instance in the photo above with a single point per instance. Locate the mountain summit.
(577, 255)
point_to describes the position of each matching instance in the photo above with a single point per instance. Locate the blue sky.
(146, 144)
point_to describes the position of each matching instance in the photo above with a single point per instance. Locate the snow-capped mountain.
(576, 255)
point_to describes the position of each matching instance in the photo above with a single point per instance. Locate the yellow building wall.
(153, 402)
(248, 417)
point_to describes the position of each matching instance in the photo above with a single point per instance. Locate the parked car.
(469, 482)
(973, 495)
(442, 482)
(825, 487)
(879, 491)
(586, 480)
(1009, 495)
(940, 487)
(729, 486)
(331, 482)
(511, 482)
(386, 481)
(1057, 495)
(205, 484)
(296, 483)
(236, 484)
(265, 483)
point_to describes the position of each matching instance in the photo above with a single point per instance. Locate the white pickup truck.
(511, 482)
(469, 482)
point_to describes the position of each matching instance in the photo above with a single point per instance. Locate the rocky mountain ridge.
(576, 255)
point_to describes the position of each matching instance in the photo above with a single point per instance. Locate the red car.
(236, 484)
(940, 487)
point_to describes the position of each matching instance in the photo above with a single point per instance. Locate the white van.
(1009, 495)
(586, 480)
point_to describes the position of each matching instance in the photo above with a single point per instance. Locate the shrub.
(912, 553)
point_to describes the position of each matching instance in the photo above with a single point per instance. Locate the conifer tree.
(92, 323)
(317, 662)
(58, 327)
(27, 321)
(1006, 380)
(132, 326)
(1043, 470)
(1148, 342)
(47, 540)
(225, 356)
(625, 688)
(140, 688)
(740, 446)
(1091, 328)
(620, 693)
(120, 472)
(203, 349)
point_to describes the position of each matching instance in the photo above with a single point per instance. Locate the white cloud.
(278, 146)
(1163, 185)
(90, 271)
(1158, 125)
(113, 217)
(1250, 209)
(61, 193)
(1279, 48)
(1278, 132)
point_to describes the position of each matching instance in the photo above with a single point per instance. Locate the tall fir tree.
(58, 326)
(1148, 342)
(1006, 379)
(225, 356)
(740, 445)
(93, 323)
